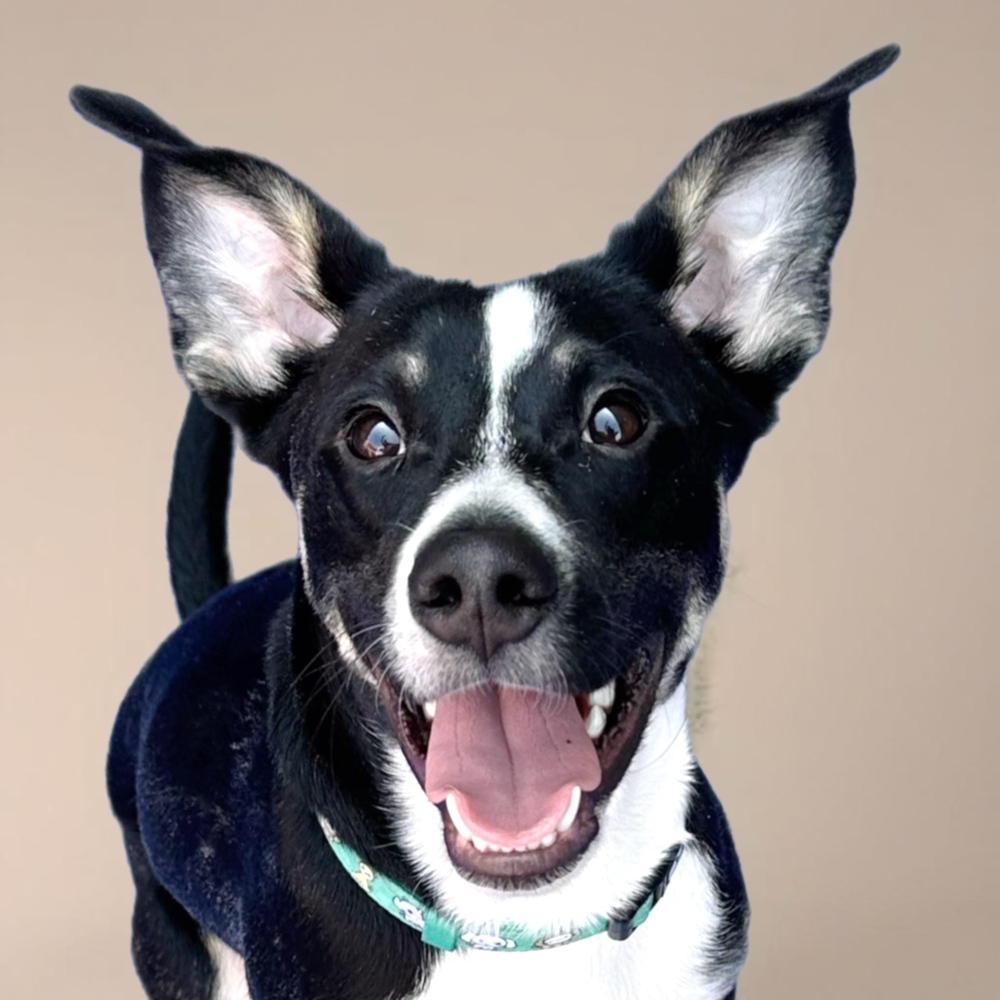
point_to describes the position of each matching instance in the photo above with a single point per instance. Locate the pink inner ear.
(751, 250)
(257, 260)
(706, 296)
(247, 286)
(303, 323)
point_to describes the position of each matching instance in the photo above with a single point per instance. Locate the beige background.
(851, 725)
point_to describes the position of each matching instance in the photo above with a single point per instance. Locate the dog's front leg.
(167, 945)
(312, 935)
(295, 959)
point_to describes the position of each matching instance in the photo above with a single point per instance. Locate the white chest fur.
(663, 960)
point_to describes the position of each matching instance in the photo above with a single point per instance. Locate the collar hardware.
(620, 927)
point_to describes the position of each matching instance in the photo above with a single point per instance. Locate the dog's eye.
(617, 420)
(374, 435)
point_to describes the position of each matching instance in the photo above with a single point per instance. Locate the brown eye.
(374, 435)
(616, 421)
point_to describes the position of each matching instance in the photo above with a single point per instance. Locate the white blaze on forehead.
(515, 328)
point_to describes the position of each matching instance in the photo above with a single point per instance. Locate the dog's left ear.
(257, 271)
(738, 240)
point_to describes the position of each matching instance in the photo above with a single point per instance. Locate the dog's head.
(511, 500)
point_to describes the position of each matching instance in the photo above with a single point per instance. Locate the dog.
(456, 723)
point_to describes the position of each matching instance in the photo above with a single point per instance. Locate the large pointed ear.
(256, 270)
(738, 240)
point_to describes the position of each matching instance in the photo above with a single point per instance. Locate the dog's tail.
(197, 539)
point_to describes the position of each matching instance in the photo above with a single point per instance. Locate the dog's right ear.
(738, 241)
(256, 270)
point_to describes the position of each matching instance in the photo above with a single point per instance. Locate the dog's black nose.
(481, 587)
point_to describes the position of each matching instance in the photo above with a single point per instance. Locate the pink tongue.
(511, 757)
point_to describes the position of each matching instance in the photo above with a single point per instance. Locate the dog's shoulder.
(189, 754)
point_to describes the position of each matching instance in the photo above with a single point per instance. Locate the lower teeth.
(483, 848)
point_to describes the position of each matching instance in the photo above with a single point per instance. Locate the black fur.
(252, 718)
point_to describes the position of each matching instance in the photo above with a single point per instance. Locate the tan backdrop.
(850, 724)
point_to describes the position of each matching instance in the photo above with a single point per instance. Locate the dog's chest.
(665, 959)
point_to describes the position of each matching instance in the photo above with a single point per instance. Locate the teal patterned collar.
(439, 931)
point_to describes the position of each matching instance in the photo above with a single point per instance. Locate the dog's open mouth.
(517, 773)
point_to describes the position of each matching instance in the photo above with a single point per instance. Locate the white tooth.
(480, 845)
(595, 721)
(574, 807)
(534, 846)
(605, 696)
(456, 817)
(548, 840)
(506, 850)
(521, 850)
(430, 710)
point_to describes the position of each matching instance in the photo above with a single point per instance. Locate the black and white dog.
(456, 723)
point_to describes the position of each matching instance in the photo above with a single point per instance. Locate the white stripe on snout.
(515, 329)
(494, 493)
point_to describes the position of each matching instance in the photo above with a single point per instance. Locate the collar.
(448, 935)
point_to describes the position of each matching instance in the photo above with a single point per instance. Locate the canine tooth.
(574, 807)
(596, 720)
(456, 817)
(430, 710)
(548, 840)
(605, 696)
